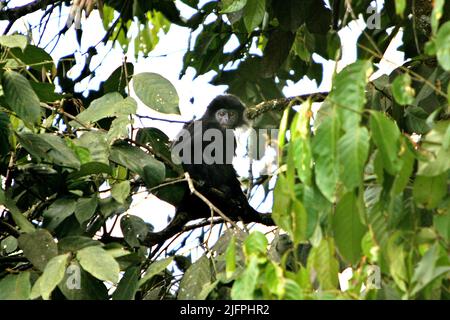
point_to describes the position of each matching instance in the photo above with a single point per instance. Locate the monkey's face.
(227, 118)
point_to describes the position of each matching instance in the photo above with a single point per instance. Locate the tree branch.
(18, 12)
(282, 103)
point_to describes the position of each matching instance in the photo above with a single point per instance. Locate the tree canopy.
(361, 183)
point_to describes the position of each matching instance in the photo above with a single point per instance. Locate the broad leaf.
(58, 211)
(108, 106)
(195, 278)
(429, 191)
(20, 97)
(348, 229)
(402, 90)
(245, 285)
(99, 263)
(15, 286)
(133, 158)
(14, 41)
(128, 285)
(254, 13)
(156, 92)
(443, 46)
(39, 247)
(386, 136)
(353, 149)
(154, 269)
(325, 147)
(134, 229)
(53, 274)
(349, 93)
(46, 146)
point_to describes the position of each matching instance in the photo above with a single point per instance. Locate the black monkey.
(206, 148)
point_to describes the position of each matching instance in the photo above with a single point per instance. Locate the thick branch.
(282, 103)
(178, 226)
(17, 12)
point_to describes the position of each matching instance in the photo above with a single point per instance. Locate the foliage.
(362, 183)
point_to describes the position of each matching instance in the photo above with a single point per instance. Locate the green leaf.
(155, 138)
(435, 151)
(15, 286)
(36, 289)
(292, 291)
(96, 143)
(288, 212)
(20, 97)
(325, 144)
(38, 247)
(49, 147)
(274, 280)
(5, 131)
(429, 268)
(58, 211)
(133, 158)
(8, 245)
(402, 179)
(195, 279)
(386, 136)
(99, 263)
(14, 41)
(256, 243)
(348, 229)
(156, 92)
(254, 12)
(429, 191)
(301, 132)
(230, 257)
(36, 58)
(20, 220)
(120, 191)
(353, 149)
(436, 14)
(232, 5)
(75, 243)
(154, 269)
(80, 285)
(45, 91)
(119, 79)
(400, 6)
(118, 129)
(442, 225)
(402, 90)
(443, 46)
(91, 168)
(349, 92)
(397, 255)
(53, 274)
(128, 285)
(245, 285)
(85, 209)
(108, 106)
(325, 264)
(134, 229)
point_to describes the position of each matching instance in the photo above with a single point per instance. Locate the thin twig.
(161, 119)
(205, 200)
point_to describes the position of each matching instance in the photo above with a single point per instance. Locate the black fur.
(218, 182)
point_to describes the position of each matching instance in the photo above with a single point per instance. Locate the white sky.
(167, 60)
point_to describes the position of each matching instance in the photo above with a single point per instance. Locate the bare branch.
(13, 14)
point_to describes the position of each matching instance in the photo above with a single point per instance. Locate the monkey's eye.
(221, 113)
